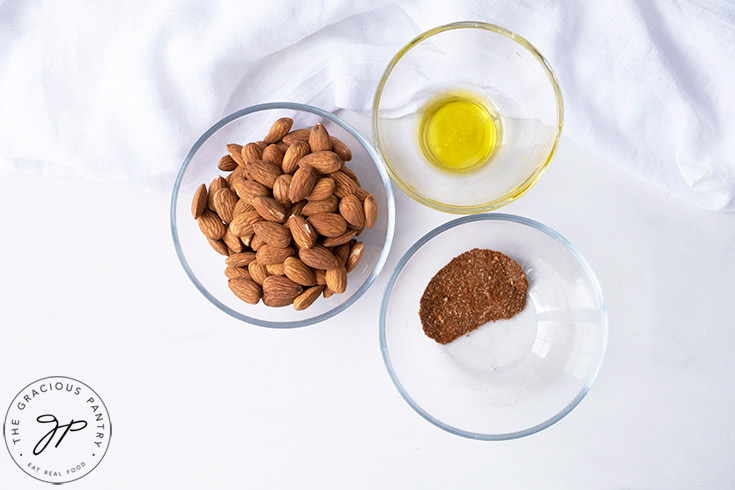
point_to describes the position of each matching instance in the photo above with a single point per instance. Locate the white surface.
(90, 288)
(651, 92)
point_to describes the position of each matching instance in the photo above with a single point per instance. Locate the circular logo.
(57, 429)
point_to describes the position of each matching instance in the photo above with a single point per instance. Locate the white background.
(90, 288)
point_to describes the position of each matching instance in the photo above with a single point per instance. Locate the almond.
(256, 242)
(232, 241)
(240, 259)
(227, 164)
(251, 152)
(233, 272)
(319, 139)
(327, 293)
(219, 247)
(273, 154)
(293, 154)
(246, 240)
(239, 173)
(261, 145)
(355, 255)
(337, 279)
(264, 172)
(269, 209)
(371, 210)
(282, 146)
(258, 272)
(350, 174)
(298, 272)
(328, 205)
(303, 233)
(249, 190)
(269, 255)
(298, 135)
(242, 206)
(242, 224)
(318, 257)
(344, 185)
(297, 208)
(344, 238)
(341, 149)
(216, 184)
(235, 152)
(352, 210)
(273, 233)
(302, 184)
(211, 225)
(307, 298)
(274, 302)
(323, 162)
(280, 290)
(320, 277)
(281, 188)
(234, 181)
(323, 188)
(361, 194)
(279, 129)
(342, 252)
(328, 224)
(224, 204)
(276, 269)
(358, 231)
(245, 289)
(199, 203)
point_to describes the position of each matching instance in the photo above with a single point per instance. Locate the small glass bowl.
(510, 378)
(205, 267)
(510, 78)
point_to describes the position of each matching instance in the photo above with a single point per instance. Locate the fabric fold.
(120, 90)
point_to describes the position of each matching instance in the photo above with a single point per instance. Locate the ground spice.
(474, 288)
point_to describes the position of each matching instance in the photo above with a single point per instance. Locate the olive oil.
(458, 132)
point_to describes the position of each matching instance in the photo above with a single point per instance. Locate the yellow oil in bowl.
(458, 132)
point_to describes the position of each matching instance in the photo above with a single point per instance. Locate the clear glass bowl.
(205, 267)
(509, 76)
(510, 378)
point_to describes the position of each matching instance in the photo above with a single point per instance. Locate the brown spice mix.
(474, 288)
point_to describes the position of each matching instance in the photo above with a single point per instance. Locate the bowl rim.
(513, 194)
(383, 176)
(587, 269)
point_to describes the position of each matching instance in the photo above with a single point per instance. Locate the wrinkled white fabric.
(119, 90)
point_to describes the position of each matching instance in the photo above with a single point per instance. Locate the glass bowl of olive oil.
(467, 117)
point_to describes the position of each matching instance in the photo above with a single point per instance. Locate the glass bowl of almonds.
(282, 215)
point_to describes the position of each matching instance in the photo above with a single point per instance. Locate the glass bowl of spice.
(467, 117)
(493, 327)
(282, 215)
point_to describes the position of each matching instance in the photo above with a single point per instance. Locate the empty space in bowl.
(206, 268)
(502, 71)
(506, 376)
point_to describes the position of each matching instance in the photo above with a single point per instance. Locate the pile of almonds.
(286, 216)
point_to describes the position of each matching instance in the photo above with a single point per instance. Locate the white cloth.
(117, 90)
